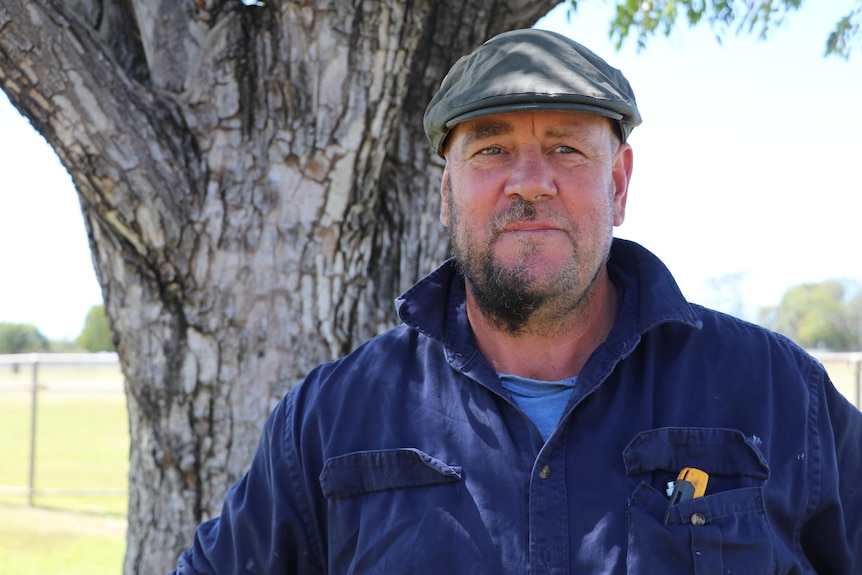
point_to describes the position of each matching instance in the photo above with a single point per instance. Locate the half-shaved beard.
(509, 297)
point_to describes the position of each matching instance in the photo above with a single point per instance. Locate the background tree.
(825, 315)
(96, 335)
(21, 338)
(256, 188)
(644, 18)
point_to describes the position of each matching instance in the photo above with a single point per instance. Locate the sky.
(745, 167)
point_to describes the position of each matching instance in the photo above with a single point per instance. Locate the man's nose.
(531, 177)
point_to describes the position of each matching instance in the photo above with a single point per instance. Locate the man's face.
(530, 199)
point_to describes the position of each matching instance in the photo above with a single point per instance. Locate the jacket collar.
(649, 297)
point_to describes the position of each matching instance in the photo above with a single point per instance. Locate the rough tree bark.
(256, 188)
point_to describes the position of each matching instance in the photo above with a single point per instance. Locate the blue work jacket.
(407, 456)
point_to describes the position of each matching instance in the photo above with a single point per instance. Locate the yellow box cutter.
(690, 484)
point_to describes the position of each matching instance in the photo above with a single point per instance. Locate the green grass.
(36, 541)
(82, 443)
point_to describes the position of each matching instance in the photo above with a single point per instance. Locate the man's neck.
(548, 350)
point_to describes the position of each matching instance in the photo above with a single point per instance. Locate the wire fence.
(25, 381)
(33, 375)
(845, 370)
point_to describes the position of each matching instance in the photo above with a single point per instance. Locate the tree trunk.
(257, 189)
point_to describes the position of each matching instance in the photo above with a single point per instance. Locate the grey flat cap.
(525, 70)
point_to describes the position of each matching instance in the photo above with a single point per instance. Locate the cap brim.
(531, 107)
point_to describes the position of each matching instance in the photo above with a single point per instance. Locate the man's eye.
(490, 151)
(565, 150)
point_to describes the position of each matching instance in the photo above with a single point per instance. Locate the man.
(551, 403)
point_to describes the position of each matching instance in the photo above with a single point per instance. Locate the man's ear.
(622, 174)
(444, 197)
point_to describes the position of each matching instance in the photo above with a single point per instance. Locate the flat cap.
(526, 70)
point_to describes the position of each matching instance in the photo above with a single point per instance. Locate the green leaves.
(21, 338)
(96, 335)
(845, 33)
(642, 19)
(826, 315)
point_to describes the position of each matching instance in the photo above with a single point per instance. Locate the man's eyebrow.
(564, 131)
(581, 136)
(483, 130)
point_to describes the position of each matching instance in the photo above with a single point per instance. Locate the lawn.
(82, 443)
(36, 541)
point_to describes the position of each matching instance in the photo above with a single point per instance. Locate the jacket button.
(698, 519)
(545, 472)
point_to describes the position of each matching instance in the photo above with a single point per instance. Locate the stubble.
(510, 297)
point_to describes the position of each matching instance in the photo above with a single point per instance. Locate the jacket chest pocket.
(402, 511)
(372, 471)
(724, 531)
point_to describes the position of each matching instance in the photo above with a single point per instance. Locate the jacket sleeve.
(832, 535)
(265, 522)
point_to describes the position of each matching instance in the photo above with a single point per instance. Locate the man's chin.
(534, 276)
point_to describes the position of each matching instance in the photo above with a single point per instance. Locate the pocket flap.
(369, 471)
(717, 451)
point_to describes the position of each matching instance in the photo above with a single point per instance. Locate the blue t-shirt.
(542, 401)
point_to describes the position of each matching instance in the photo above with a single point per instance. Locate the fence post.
(34, 396)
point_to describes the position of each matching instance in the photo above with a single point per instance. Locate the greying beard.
(509, 298)
(504, 296)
